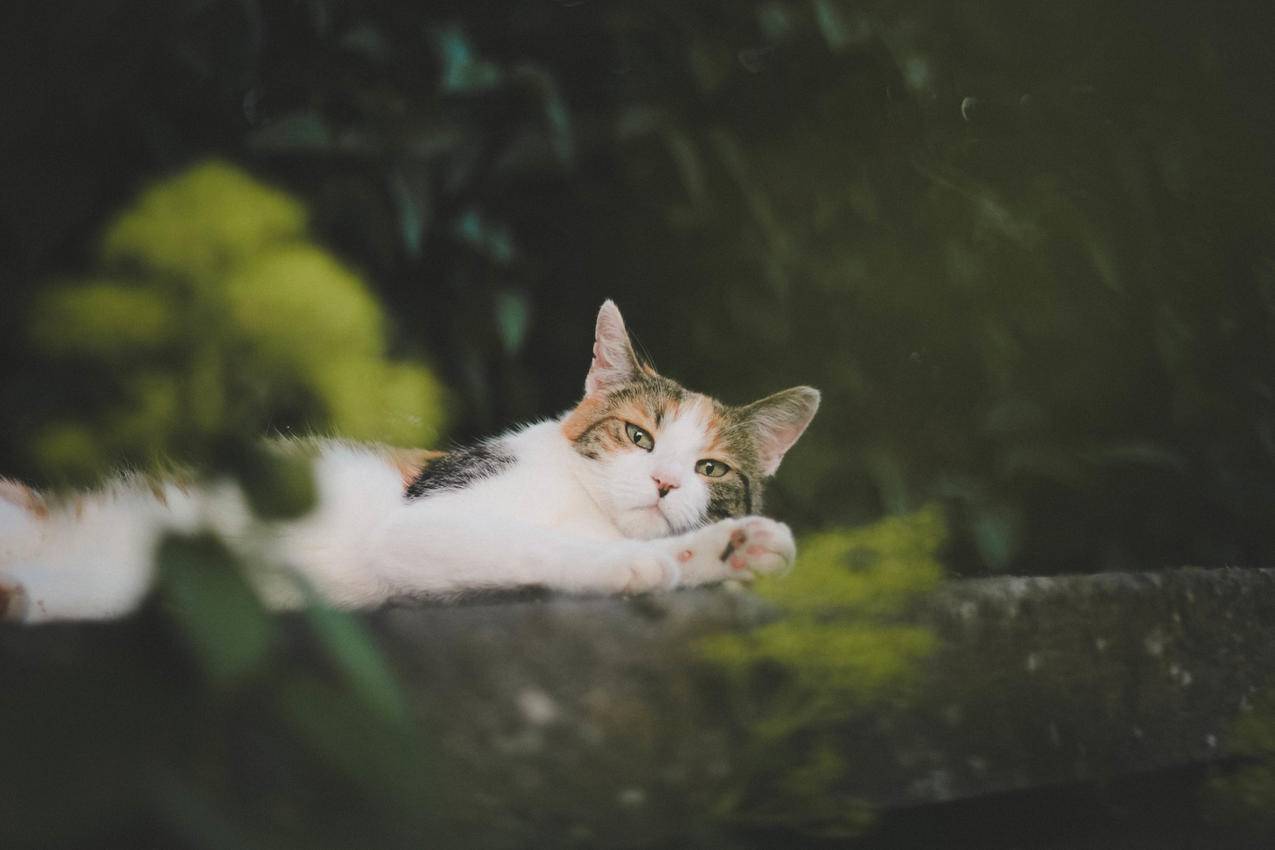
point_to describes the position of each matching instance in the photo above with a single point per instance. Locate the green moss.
(875, 570)
(838, 651)
(838, 632)
(1246, 794)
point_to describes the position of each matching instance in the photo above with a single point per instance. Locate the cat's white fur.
(551, 518)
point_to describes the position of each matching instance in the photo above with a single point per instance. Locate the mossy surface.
(841, 649)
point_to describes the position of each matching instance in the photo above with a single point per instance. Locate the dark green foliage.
(1024, 251)
(204, 722)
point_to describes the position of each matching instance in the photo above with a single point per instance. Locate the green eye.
(639, 437)
(712, 468)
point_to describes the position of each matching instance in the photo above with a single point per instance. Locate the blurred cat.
(644, 485)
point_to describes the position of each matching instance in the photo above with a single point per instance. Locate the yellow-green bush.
(210, 320)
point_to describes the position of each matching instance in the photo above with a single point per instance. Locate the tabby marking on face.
(705, 460)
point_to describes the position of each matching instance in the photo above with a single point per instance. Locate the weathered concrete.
(592, 717)
(606, 722)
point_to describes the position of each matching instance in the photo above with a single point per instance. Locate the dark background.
(1024, 250)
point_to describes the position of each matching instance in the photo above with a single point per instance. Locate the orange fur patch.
(410, 462)
(586, 413)
(24, 497)
(13, 602)
(640, 415)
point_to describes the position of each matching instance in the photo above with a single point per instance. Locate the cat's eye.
(640, 438)
(712, 468)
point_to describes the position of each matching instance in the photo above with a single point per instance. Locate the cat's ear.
(778, 420)
(614, 361)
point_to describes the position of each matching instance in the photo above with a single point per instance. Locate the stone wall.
(1045, 712)
(601, 717)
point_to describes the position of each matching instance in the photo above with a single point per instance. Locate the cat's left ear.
(614, 361)
(778, 420)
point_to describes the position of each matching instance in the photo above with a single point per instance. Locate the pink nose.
(663, 485)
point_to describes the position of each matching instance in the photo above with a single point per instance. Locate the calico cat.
(644, 485)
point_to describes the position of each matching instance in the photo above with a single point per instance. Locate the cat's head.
(660, 459)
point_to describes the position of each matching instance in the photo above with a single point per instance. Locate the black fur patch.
(730, 498)
(455, 470)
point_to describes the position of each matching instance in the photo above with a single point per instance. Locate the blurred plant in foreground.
(211, 321)
(203, 721)
(840, 646)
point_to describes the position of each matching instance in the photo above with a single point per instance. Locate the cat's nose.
(663, 485)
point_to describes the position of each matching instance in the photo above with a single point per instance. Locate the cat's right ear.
(614, 361)
(778, 421)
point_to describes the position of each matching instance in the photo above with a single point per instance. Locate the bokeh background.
(1025, 250)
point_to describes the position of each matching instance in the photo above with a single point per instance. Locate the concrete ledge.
(598, 713)
(603, 722)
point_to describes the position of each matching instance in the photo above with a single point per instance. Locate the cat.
(643, 486)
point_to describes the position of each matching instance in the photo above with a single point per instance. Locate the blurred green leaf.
(411, 214)
(217, 611)
(348, 644)
(513, 316)
(462, 71)
(997, 533)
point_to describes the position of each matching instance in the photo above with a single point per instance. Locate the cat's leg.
(424, 553)
(436, 554)
(732, 549)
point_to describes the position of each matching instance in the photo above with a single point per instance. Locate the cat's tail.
(88, 557)
(22, 513)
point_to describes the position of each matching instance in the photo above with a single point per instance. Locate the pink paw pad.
(685, 555)
(737, 562)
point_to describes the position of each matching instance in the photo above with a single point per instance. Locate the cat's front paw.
(647, 571)
(734, 548)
